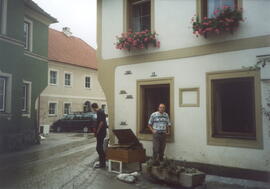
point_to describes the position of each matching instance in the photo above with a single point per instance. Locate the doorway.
(151, 93)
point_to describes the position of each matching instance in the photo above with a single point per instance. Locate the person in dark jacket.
(101, 131)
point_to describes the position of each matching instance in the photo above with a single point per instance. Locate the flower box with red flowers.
(137, 40)
(224, 20)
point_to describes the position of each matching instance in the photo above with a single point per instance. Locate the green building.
(23, 70)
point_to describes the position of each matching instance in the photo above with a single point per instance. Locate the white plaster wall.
(77, 88)
(190, 122)
(173, 24)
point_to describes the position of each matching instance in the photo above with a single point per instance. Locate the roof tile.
(70, 50)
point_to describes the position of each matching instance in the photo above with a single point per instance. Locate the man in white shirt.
(159, 124)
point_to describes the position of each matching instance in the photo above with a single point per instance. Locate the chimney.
(67, 32)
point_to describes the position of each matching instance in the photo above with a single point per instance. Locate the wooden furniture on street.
(128, 149)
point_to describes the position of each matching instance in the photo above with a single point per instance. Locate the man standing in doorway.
(159, 124)
(100, 134)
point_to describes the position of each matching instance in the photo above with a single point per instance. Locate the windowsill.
(52, 115)
(235, 137)
(28, 50)
(51, 84)
(5, 115)
(88, 88)
(234, 142)
(149, 137)
(26, 115)
(68, 86)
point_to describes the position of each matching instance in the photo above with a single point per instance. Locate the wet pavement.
(53, 164)
(65, 161)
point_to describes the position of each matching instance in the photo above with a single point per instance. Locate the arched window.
(87, 106)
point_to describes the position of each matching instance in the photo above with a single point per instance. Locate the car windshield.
(69, 117)
(81, 116)
(89, 115)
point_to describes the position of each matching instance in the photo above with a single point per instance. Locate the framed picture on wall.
(189, 97)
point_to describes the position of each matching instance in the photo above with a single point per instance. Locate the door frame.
(157, 81)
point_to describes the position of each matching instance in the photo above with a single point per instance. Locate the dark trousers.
(159, 144)
(100, 150)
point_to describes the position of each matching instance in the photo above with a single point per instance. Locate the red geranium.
(137, 40)
(224, 20)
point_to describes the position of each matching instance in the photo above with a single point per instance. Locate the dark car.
(85, 122)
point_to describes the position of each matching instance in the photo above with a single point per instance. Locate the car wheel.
(85, 129)
(58, 129)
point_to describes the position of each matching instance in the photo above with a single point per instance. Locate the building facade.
(212, 85)
(23, 70)
(72, 78)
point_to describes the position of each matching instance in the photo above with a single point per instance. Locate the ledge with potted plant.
(137, 40)
(224, 20)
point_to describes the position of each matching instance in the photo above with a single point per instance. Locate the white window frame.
(57, 77)
(29, 46)
(69, 107)
(4, 95)
(3, 17)
(89, 83)
(8, 95)
(71, 79)
(56, 108)
(27, 111)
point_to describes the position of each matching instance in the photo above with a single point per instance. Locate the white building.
(72, 78)
(213, 100)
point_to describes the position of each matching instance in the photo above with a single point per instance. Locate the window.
(3, 87)
(26, 35)
(67, 79)
(27, 26)
(139, 12)
(53, 77)
(209, 6)
(67, 108)
(3, 16)
(5, 94)
(52, 108)
(26, 97)
(87, 82)
(234, 105)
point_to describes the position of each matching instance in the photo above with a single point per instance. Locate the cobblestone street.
(65, 161)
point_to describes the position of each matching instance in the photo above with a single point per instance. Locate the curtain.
(214, 4)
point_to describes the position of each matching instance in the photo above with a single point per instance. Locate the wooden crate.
(126, 155)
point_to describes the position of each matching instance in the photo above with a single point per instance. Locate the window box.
(223, 20)
(137, 40)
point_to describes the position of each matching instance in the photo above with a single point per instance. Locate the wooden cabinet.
(128, 149)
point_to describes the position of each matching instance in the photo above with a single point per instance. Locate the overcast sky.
(79, 16)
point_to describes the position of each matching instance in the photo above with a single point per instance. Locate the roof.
(70, 50)
(32, 5)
